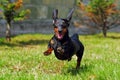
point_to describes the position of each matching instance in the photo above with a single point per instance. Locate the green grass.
(23, 59)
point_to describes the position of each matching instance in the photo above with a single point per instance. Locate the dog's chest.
(62, 50)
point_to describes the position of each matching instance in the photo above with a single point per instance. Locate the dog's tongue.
(60, 36)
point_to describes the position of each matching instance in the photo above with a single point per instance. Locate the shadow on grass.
(23, 43)
(114, 37)
(81, 70)
(111, 37)
(33, 42)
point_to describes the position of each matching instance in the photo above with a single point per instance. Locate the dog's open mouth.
(59, 36)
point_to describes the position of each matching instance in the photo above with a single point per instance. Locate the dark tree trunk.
(8, 32)
(105, 28)
(104, 31)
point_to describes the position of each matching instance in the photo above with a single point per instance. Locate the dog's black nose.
(59, 31)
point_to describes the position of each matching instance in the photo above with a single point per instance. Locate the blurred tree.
(103, 13)
(12, 12)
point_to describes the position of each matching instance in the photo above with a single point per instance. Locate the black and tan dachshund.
(64, 46)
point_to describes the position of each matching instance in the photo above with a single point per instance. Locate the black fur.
(66, 47)
(70, 46)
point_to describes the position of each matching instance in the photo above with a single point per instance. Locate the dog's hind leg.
(78, 63)
(79, 55)
(79, 49)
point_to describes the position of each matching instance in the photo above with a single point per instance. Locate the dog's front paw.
(46, 53)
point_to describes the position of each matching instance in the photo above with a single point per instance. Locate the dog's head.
(61, 25)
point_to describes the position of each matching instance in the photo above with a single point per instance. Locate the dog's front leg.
(48, 52)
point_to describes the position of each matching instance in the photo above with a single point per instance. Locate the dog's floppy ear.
(55, 14)
(69, 16)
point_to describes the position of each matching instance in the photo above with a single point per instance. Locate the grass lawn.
(23, 59)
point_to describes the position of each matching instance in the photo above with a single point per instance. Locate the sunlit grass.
(23, 59)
